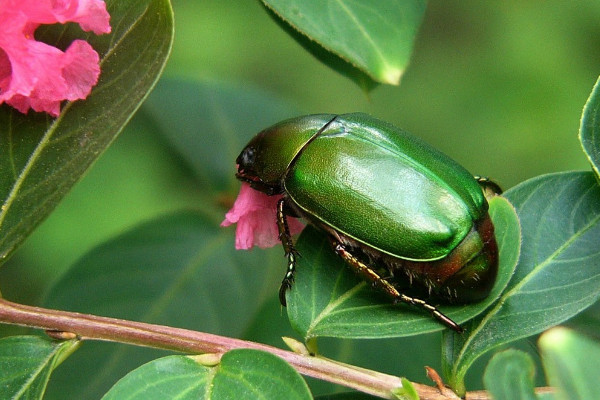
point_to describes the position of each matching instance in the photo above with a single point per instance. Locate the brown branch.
(63, 324)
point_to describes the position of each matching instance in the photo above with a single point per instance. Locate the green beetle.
(385, 199)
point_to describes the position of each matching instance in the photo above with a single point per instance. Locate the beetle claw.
(285, 285)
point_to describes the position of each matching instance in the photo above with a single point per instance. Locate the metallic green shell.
(384, 188)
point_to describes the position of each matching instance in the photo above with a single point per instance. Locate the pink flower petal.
(256, 216)
(91, 15)
(39, 76)
(80, 70)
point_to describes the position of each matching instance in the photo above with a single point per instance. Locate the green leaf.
(225, 116)
(558, 274)
(173, 377)
(375, 37)
(510, 375)
(346, 396)
(241, 374)
(41, 158)
(179, 270)
(406, 392)
(571, 364)
(589, 131)
(251, 371)
(26, 363)
(327, 299)
(333, 61)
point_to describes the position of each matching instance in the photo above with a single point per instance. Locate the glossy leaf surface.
(558, 274)
(42, 158)
(327, 299)
(589, 131)
(241, 374)
(26, 363)
(375, 37)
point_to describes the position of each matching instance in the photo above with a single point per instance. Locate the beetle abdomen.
(467, 274)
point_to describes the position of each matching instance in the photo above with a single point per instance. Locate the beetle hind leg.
(288, 247)
(371, 276)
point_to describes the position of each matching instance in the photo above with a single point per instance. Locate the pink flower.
(256, 216)
(39, 76)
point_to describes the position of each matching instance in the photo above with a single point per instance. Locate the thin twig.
(62, 324)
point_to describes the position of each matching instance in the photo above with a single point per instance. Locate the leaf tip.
(555, 338)
(392, 75)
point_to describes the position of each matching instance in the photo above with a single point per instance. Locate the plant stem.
(91, 327)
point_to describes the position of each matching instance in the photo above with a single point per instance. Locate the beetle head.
(266, 159)
(247, 171)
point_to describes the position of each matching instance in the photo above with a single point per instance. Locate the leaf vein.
(363, 32)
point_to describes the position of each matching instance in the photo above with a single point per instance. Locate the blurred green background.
(498, 86)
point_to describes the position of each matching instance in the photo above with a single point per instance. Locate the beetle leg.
(381, 284)
(288, 247)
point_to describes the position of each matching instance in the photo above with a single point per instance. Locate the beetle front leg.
(369, 275)
(288, 247)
